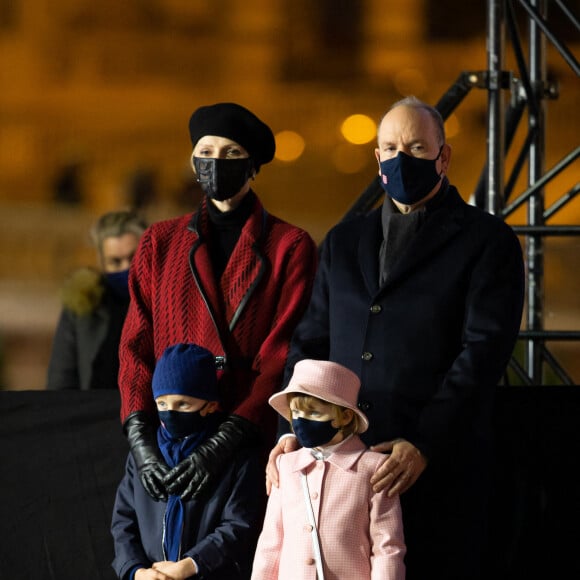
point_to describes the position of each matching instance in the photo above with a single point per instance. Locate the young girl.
(324, 520)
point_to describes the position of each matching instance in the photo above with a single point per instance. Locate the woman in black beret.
(229, 277)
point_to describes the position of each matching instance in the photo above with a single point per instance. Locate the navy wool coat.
(220, 531)
(429, 346)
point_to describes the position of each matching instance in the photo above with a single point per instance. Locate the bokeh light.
(289, 146)
(358, 129)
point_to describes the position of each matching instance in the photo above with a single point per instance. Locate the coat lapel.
(348, 453)
(245, 267)
(434, 234)
(299, 460)
(368, 251)
(202, 271)
(226, 301)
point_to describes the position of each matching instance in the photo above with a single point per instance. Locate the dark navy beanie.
(186, 369)
(238, 124)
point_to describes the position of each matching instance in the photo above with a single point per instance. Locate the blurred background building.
(95, 100)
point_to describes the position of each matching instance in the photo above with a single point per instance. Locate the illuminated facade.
(99, 94)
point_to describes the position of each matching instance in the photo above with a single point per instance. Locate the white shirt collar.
(322, 453)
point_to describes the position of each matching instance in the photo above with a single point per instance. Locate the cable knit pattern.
(175, 298)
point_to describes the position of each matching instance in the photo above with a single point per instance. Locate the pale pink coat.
(361, 532)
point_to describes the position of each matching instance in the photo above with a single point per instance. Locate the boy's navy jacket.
(220, 529)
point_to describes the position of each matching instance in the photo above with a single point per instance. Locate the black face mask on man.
(409, 179)
(221, 179)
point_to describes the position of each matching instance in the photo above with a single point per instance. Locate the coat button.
(367, 356)
(310, 561)
(376, 308)
(308, 528)
(314, 495)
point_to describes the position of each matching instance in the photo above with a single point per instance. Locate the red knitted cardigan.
(248, 317)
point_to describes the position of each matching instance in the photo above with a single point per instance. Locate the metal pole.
(495, 125)
(535, 244)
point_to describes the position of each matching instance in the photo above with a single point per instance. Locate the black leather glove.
(192, 476)
(141, 432)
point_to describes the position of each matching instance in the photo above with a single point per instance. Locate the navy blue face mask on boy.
(180, 424)
(409, 179)
(313, 433)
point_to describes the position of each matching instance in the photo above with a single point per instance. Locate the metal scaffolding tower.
(510, 95)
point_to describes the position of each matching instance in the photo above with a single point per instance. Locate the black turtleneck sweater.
(225, 229)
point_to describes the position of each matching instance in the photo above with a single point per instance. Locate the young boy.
(353, 532)
(213, 537)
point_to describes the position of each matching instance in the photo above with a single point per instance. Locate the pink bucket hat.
(325, 380)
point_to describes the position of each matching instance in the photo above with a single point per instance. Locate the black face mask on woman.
(221, 179)
(409, 179)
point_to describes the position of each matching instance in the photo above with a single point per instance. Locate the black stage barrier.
(62, 455)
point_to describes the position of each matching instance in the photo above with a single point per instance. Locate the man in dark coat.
(422, 299)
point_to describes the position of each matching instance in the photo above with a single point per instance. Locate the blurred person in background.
(95, 302)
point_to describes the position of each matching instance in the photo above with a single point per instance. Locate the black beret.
(238, 124)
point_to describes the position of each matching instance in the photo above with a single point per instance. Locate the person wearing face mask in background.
(356, 533)
(230, 277)
(95, 302)
(213, 537)
(422, 298)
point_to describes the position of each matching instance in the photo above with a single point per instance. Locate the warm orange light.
(410, 81)
(289, 146)
(350, 159)
(359, 129)
(452, 126)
